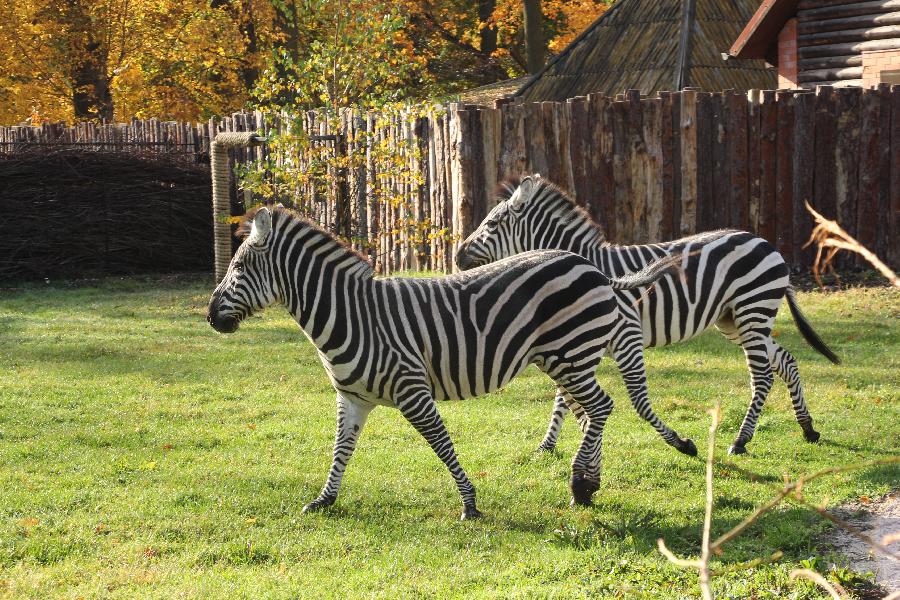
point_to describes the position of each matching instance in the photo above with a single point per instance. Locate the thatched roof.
(486, 94)
(653, 45)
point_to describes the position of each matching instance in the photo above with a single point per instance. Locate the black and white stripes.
(408, 342)
(732, 279)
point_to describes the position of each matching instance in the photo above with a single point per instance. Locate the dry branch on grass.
(830, 239)
(792, 490)
(835, 591)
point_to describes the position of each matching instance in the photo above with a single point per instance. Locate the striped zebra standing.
(406, 343)
(731, 279)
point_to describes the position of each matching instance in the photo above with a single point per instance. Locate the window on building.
(891, 77)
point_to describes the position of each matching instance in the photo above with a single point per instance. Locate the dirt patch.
(877, 519)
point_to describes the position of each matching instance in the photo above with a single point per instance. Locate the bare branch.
(820, 581)
(716, 414)
(702, 565)
(792, 489)
(661, 546)
(828, 234)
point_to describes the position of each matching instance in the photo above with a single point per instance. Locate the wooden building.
(653, 45)
(825, 42)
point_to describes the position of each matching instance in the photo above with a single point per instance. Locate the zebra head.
(249, 285)
(504, 231)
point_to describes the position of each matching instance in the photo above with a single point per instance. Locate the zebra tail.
(649, 274)
(812, 338)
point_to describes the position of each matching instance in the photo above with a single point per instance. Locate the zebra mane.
(281, 213)
(551, 192)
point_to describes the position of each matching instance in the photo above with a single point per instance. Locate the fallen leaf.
(865, 499)
(29, 522)
(167, 446)
(251, 425)
(251, 520)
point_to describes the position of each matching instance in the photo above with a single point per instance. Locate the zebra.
(732, 279)
(407, 342)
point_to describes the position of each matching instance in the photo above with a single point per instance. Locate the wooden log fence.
(647, 169)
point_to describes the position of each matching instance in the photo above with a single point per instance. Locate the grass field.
(144, 455)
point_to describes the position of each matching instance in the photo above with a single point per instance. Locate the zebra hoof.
(545, 447)
(812, 436)
(687, 446)
(737, 449)
(469, 513)
(318, 504)
(583, 489)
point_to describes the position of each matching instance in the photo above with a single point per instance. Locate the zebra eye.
(491, 223)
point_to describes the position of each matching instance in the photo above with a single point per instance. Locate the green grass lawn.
(143, 454)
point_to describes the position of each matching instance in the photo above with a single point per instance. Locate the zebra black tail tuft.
(649, 274)
(812, 338)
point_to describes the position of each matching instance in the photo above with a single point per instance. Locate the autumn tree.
(89, 59)
(191, 59)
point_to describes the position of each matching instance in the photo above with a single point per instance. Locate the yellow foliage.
(162, 58)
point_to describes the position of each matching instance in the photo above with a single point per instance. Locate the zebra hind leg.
(586, 466)
(629, 356)
(785, 365)
(351, 417)
(758, 351)
(420, 410)
(560, 409)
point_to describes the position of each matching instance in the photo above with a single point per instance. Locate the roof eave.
(761, 33)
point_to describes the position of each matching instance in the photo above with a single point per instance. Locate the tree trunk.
(534, 35)
(91, 96)
(249, 66)
(487, 35)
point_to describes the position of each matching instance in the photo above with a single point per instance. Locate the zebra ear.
(524, 191)
(262, 225)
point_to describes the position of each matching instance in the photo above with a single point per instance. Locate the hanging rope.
(221, 191)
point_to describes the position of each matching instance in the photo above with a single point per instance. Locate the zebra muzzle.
(463, 260)
(221, 323)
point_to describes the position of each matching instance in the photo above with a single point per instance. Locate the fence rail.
(647, 169)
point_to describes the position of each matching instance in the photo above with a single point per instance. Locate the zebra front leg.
(758, 352)
(420, 410)
(351, 416)
(556, 422)
(587, 465)
(629, 356)
(785, 365)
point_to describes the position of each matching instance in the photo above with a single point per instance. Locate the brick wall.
(875, 62)
(787, 56)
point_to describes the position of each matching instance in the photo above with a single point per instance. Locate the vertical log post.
(768, 144)
(784, 194)
(688, 162)
(220, 168)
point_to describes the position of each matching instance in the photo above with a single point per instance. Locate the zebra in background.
(406, 343)
(732, 279)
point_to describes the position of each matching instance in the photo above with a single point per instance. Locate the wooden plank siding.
(647, 169)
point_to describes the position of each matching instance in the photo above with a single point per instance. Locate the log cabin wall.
(834, 39)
